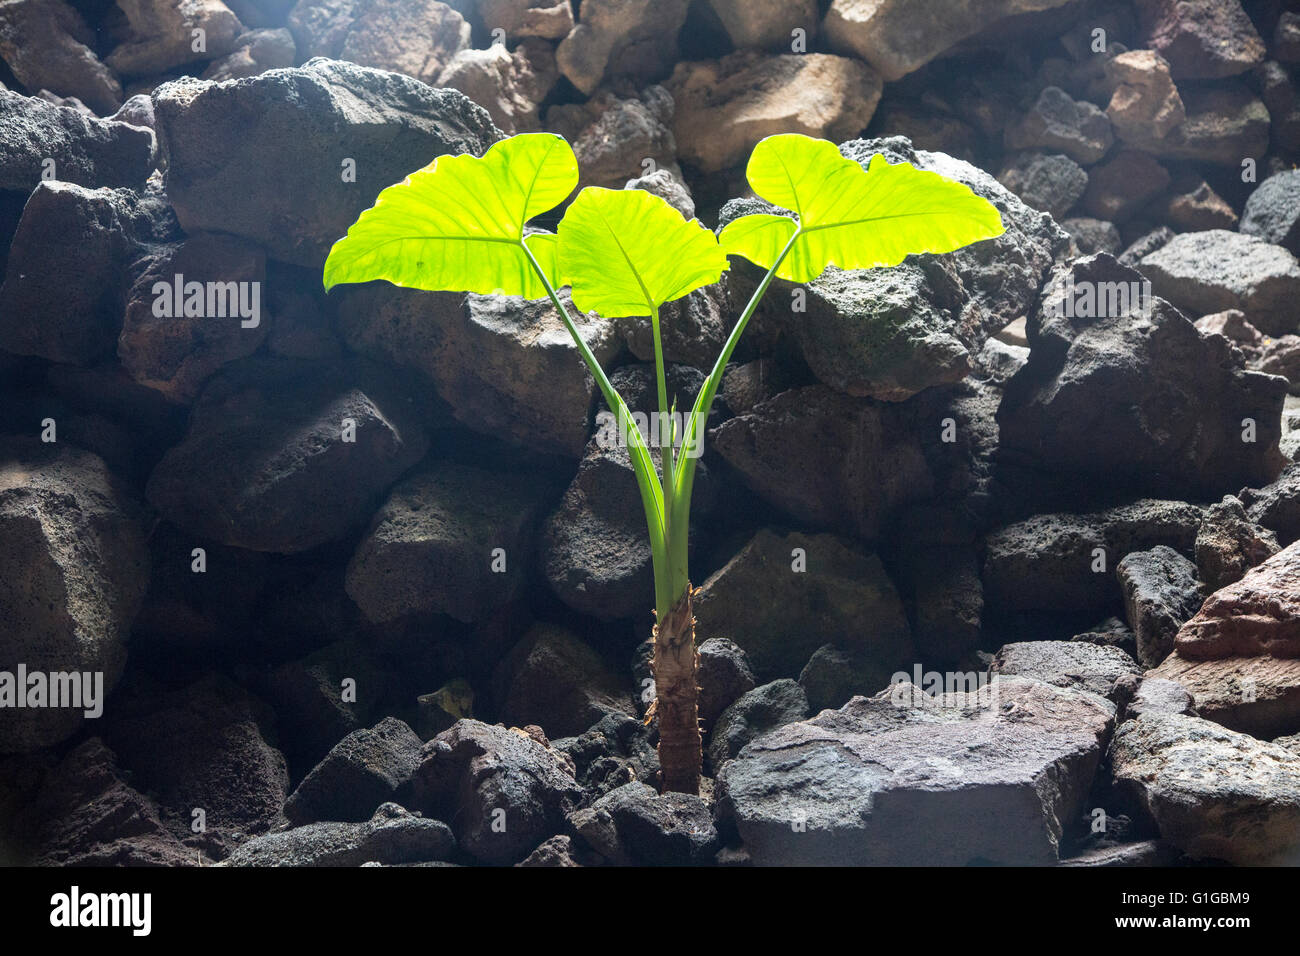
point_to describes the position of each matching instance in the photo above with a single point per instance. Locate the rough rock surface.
(753, 714)
(874, 783)
(1160, 594)
(284, 456)
(724, 107)
(73, 572)
(555, 681)
(621, 38)
(452, 539)
(47, 44)
(225, 174)
(1204, 272)
(1213, 793)
(635, 824)
(897, 37)
(1120, 384)
(1050, 562)
(362, 771)
(1072, 664)
(477, 775)
(393, 836)
(1260, 614)
(843, 596)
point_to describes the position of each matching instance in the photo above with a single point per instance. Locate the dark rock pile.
(1008, 533)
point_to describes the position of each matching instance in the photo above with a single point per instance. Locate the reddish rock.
(1260, 614)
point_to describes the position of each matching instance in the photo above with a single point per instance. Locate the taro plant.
(460, 224)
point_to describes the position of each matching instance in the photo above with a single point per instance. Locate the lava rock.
(832, 676)
(1051, 182)
(724, 107)
(897, 37)
(1257, 695)
(1273, 211)
(478, 775)
(204, 747)
(1204, 272)
(842, 596)
(265, 464)
(452, 539)
(1277, 506)
(1260, 614)
(613, 136)
(47, 44)
(756, 712)
(1201, 39)
(1060, 124)
(1229, 544)
(553, 680)
(1071, 664)
(86, 813)
(393, 836)
(636, 39)
(363, 770)
(506, 365)
(1120, 385)
(69, 309)
(73, 572)
(224, 174)
(724, 675)
(161, 35)
(1050, 562)
(876, 783)
(1160, 594)
(1213, 793)
(87, 151)
(635, 824)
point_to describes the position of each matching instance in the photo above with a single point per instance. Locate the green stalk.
(647, 482)
(679, 501)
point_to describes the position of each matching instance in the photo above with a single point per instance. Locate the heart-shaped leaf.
(850, 217)
(458, 223)
(626, 252)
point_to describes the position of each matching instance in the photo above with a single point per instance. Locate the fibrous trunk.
(677, 698)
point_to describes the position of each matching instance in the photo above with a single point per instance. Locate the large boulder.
(392, 837)
(207, 746)
(815, 589)
(1120, 385)
(362, 771)
(1066, 562)
(269, 158)
(1160, 594)
(906, 779)
(899, 36)
(503, 790)
(1259, 614)
(724, 107)
(48, 45)
(177, 351)
(453, 539)
(1273, 211)
(163, 35)
(283, 456)
(1213, 793)
(69, 309)
(636, 39)
(1201, 39)
(1205, 272)
(507, 366)
(1101, 670)
(73, 572)
(634, 824)
(555, 681)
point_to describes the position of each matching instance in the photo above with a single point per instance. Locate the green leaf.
(458, 224)
(626, 252)
(850, 217)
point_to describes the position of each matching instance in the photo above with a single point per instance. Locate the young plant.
(459, 225)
